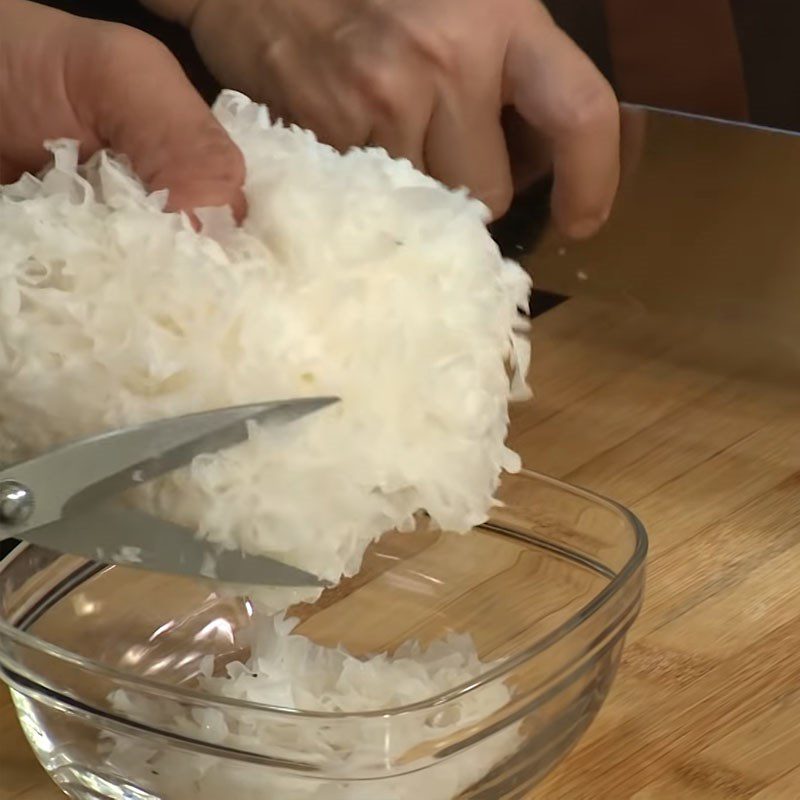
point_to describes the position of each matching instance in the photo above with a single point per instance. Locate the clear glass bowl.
(547, 591)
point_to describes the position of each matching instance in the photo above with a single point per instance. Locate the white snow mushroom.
(353, 275)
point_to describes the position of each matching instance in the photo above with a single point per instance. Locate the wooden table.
(707, 702)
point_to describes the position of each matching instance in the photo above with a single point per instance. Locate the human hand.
(428, 80)
(109, 86)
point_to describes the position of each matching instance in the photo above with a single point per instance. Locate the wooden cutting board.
(706, 449)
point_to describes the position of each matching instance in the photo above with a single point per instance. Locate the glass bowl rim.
(123, 679)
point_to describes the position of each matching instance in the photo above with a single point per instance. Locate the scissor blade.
(131, 538)
(78, 476)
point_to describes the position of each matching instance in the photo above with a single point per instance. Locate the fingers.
(397, 93)
(558, 91)
(402, 140)
(141, 104)
(425, 110)
(402, 115)
(304, 89)
(466, 146)
(377, 103)
(309, 98)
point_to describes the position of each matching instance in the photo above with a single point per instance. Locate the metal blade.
(74, 478)
(704, 227)
(132, 538)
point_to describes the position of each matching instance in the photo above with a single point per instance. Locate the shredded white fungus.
(353, 275)
(289, 671)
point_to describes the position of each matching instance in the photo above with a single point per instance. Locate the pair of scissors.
(59, 500)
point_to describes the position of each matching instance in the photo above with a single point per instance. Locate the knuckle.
(380, 84)
(404, 55)
(441, 51)
(589, 106)
(438, 47)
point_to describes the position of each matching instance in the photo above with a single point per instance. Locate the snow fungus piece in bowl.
(450, 666)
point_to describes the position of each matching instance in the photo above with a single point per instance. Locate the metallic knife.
(705, 227)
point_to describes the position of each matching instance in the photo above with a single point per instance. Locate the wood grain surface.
(706, 449)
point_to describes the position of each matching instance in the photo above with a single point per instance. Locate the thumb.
(143, 106)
